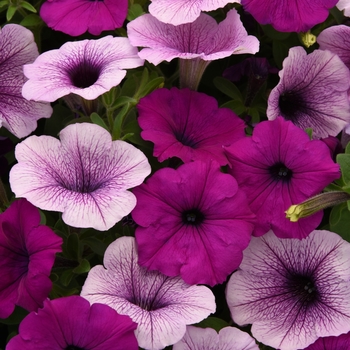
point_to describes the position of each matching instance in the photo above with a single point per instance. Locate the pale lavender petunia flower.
(293, 291)
(17, 48)
(229, 338)
(85, 175)
(196, 44)
(344, 5)
(162, 306)
(87, 68)
(183, 11)
(312, 92)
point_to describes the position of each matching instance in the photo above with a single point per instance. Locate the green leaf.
(123, 100)
(31, 20)
(151, 86)
(274, 34)
(26, 5)
(212, 322)
(135, 11)
(237, 106)
(127, 136)
(110, 96)
(280, 52)
(228, 88)
(73, 246)
(339, 221)
(96, 245)
(309, 132)
(118, 121)
(83, 267)
(10, 12)
(16, 317)
(67, 277)
(344, 161)
(96, 119)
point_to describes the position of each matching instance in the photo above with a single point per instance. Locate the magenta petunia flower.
(85, 175)
(229, 338)
(183, 11)
(27, 251)
(286, 16)
(70, 323)
(75, 17)
(17, 48)
(312, 92)
(196, 44)
(341, 342)
(337, 40)
(87, 68)
(277, 167)
(193, 221)
(293, 291)
(188, 125)
(161, 306)
(344, 5)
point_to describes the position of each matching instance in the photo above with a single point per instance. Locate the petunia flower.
(161, 306)
(285, 16)
(277, 167)
(312, 92)
(17, 48)
(27, 251)
(344, 5)
(87, 68)
(196, 44)
(341, 342)
(75, 17)
(193, 221)
(293, 291)
(188, 125)
(229, 338)
(183, 11)
(85, 175)
(70, 323)
(337, 40)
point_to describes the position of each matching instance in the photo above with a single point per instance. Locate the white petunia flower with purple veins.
(344, 5)
(196, 44)
(86, 175)
(17, 48)
(292, 291)
(229, 338)
(312, 92)
(88, 68)
(184, 11)
(162, 306)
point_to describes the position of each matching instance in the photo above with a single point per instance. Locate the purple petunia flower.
(87, 68)
(85, 176)
(75, 17)
(193, 221)
(229, 338)
(286, 16)
(337, 40)
(70, 323)
(183, 11)
(161, 306)
(293, 291)
(27, 251)
(17, 48)
(312, 92)
(341, 342)
(196, 44)
(277, 167)
(188, 125)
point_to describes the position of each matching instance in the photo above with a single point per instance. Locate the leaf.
(31, 20)
(212, 322)
(26, 5)
(237, 106)
(228, 88)
(96, 119)
(10, 12)
(83, 267)
(339, 221)
(344, 161)
(135, 11)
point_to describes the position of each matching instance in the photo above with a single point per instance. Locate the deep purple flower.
(229, 338)
(27, 251)
(341, 342)
(277, 167)
(87, 68)
(70, 323)
(86, 175)
(193, 221)
(183, 11)
(312, 92)
(161, 306)
(17, 48)
(75, 17)
(188, 125)
(286, 16)
(293, 291)
(337, 40)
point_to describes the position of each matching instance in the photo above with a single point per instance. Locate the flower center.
(84, 74)
(280, 172)
(291, 105)
(73, 347)
(181, 137)
(303, 288)
(192, 217)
